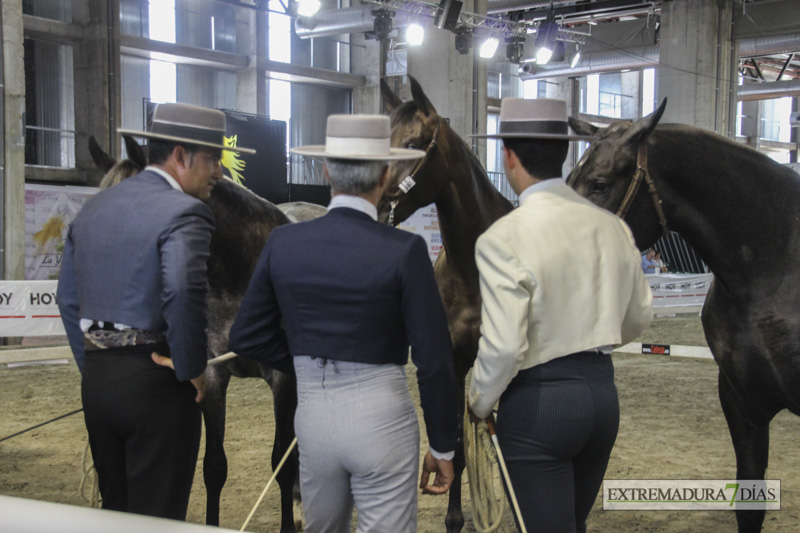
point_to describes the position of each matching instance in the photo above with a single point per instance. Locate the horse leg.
(284, 392)
(215, 463)
(454, 520)
(750, 436)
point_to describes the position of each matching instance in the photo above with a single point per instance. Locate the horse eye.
(412, 146)
(598, 187)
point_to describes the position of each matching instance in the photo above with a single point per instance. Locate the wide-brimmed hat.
(538, 118)
(184, 123)
(358, 137)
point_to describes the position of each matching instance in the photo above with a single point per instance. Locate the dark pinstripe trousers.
(556, 426)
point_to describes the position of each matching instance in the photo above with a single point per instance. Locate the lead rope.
(409, 182)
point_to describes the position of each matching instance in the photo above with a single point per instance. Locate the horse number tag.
(406, 184)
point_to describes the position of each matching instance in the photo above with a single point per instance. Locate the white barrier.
(28, 308)
(679, 290)
(20, 515)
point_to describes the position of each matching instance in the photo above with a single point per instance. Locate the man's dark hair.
(542, 158)
(158, 151)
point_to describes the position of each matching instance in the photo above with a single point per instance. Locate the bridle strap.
(417, 167)
(428, 149)
(640, 175)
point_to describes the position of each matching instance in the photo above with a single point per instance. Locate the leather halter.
(417, 167)
(639, 175)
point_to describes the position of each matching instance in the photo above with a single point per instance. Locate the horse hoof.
(299, 517)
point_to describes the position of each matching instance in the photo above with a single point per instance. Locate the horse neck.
(467, 206)
(732, 204)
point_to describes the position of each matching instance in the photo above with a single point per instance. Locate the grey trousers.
(358, 437)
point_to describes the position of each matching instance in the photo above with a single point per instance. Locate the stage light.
(415, 34)
(546, 41)
(464, 41)
(489, 47)
(515, 49)
(308, 8)
(574, 56)
(383, 23)
(446, 17)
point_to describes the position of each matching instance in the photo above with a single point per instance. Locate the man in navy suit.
(353, 294)
(133, 285)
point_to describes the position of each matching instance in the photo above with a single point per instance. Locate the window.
(49, 107)
(775, 119)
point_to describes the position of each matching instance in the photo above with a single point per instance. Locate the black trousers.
(144, 431)
(556, 426)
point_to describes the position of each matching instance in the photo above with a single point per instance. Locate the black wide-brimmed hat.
(184, 123)
(537, 118)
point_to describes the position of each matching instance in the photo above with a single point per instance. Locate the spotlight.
(545, 41)
(464, 41)
(308, 8)
(527, 68)
(489, 47)
(515, 49)
(383, 23)
(574, 56)
(447, 14)
(415, 34)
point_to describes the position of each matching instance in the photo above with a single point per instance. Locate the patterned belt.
(103, 339)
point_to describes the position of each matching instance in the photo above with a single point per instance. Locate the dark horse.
(467, 203)
(244, 221)
(738, 209)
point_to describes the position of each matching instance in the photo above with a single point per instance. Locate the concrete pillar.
(96, 62)
(751, 123)
(251, 84)
(694, 58)
(13, 141)
(365, 59)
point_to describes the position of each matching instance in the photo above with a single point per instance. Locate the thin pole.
(490, 423)
(274, 475)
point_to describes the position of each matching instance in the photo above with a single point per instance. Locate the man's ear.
(325, 171)
(181, 155)
(511, 158)
(384, 177)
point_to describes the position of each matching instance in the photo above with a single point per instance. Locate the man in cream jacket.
(561, 285)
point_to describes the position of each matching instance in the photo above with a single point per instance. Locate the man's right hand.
(199, 382)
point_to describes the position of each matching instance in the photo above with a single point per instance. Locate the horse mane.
(122, 170)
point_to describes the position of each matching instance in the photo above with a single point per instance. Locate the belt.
(102, 339)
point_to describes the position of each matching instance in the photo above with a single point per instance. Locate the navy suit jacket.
(351, 289)
(136, 254)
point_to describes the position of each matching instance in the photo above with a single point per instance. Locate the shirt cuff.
(448, 456)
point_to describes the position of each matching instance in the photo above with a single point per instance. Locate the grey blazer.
(136, 254)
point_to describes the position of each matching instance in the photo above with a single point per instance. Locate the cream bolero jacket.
(558, 275)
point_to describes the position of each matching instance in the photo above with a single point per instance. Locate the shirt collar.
(174, 184)
(540, 186)
(354, 202)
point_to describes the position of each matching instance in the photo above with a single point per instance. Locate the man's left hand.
(445, 474)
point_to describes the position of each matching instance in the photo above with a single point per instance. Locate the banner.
(49, 210)
(678, 290)
(425, 223)
(28, 308)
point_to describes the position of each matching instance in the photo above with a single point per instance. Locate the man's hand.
(444, 475)
(472, 416)
(199, 382)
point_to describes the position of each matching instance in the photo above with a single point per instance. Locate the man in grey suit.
(133, 286)
(353, 295)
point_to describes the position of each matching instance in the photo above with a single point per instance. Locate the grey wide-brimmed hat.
(184, 123)
(358, 137)
(538, 118)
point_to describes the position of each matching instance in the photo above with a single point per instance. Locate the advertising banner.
(49, 210)
(28, 308)
(679, 290)
(425, 223)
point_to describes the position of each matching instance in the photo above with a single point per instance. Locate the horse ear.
(581, 127)
(642, 128)
(419, 97)
(100, 157)
(135, 151)
(390, 100)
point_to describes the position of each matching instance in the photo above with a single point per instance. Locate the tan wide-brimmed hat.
(184, 123)
(538, 118)
(358, 137)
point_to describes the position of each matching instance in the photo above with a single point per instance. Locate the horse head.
(116, 171)
(416, 125)
(606, 171)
